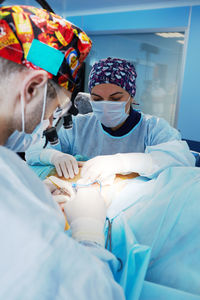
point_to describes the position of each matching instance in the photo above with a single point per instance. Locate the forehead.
(107, 89)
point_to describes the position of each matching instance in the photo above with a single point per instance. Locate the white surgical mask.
(110, 113)
(19, 141)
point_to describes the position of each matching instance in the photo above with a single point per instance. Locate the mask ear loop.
(22, 113)
(44, 102)
(126, 103)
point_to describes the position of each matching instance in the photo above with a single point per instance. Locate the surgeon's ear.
(33, 84)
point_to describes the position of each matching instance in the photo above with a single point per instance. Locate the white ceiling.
(85, 7)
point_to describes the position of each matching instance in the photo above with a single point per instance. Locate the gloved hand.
(102, 168)
(61, 190)
(86, 214)
(105, 167)
(66, 165)
(58, 186)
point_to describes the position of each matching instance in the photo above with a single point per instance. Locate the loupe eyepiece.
(67, 118)
(51, 136)
(73, 110)
(67, 122)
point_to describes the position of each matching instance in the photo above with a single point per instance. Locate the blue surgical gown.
(164, 214)
(38, 260)
(151, 135)
(161, 213)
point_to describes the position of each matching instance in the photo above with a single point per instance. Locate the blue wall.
(188, 113)
(134, 20)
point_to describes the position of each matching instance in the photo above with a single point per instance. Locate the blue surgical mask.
(110, 113)
(20, 141)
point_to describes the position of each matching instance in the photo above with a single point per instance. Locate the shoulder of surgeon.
(158, 125)
(154, 120)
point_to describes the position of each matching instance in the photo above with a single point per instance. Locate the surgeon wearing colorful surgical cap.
(40, 53)
(116, 137)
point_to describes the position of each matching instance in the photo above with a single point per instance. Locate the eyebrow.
(121, 93)
(116, 93)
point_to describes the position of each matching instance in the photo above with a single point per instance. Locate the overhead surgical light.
(170, 34)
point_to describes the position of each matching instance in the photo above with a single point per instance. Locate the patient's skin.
(62, 190)
(66, 192)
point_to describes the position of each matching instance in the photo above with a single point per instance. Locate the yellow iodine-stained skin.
(108, 191)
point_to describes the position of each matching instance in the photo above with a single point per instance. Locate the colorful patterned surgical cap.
(40, 39)
(116, 71)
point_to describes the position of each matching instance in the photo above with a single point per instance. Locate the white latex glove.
(86, 214)
(66, 165)
(105, 166)
(61, 200)
(51, 187)
(59, 187)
